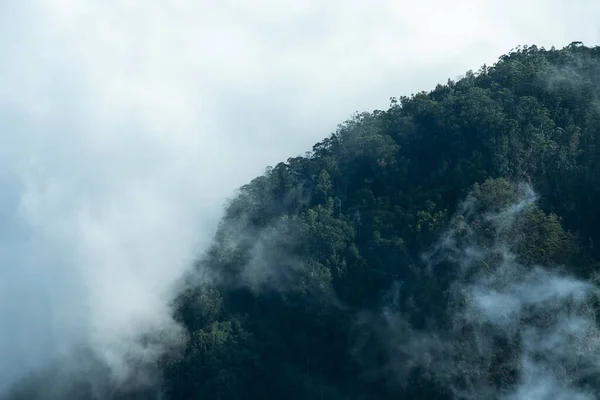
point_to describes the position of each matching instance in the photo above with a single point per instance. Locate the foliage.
(338, 228)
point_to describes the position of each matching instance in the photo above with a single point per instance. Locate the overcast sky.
(124, 125)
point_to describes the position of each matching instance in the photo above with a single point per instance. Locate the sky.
(125, 125)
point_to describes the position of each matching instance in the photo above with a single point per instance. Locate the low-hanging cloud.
(513, 331)
(125, 125)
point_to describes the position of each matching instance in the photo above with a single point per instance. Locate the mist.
(125, 127)
(512, 330)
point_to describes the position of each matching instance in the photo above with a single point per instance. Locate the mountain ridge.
(343, 273)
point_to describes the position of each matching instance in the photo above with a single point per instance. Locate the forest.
(444, 248)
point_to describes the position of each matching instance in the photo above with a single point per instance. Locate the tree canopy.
(325, 267)
(309, 254)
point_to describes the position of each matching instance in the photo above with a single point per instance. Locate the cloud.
(512, 331)
(125, 125)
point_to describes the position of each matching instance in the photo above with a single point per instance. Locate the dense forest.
(444, 248)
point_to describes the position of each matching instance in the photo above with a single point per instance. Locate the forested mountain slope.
(317, 261)
(443, 248)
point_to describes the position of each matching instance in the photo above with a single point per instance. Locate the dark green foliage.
(356, 213)
(323, 268)
(308, 254)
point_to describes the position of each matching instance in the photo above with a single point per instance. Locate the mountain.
(317, 279)
(443, 248)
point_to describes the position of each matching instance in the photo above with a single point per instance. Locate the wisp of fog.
(514, 331)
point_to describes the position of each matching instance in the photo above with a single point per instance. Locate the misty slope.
(317, 273)
(443, 248)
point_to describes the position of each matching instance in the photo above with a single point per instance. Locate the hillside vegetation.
(443, 248)
(315, 258)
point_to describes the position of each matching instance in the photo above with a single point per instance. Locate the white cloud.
(125, 124)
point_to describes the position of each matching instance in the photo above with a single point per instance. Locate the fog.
(125, 126)
(514, 331)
